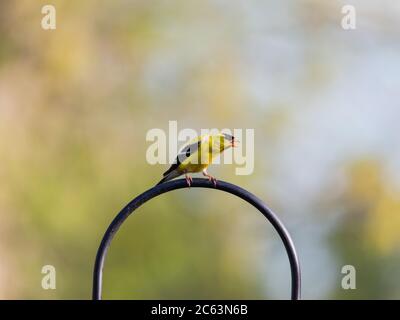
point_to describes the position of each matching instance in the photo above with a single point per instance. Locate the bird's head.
(227, 141)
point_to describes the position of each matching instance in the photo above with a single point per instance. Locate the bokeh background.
(75, 106)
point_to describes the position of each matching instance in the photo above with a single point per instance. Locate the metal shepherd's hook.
(197, 183)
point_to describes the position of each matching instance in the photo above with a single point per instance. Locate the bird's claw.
(189, 180)
(214, 180)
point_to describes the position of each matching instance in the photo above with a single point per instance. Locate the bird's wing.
(184, 154)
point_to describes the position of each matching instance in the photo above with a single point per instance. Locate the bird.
(197, 155)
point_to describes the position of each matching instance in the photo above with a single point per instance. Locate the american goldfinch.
(197, 155)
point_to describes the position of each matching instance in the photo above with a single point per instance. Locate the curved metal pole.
(197, 183)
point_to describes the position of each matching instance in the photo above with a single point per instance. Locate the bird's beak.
(234, 143)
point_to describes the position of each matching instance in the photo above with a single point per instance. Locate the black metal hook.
(197, 183)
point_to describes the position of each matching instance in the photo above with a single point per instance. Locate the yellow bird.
(197, 155)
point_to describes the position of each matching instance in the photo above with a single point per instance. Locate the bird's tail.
(169, 176)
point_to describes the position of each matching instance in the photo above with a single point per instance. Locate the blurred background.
(76, 104)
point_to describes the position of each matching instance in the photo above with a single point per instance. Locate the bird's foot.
(189, 180)
(210, 178)
(213, 179)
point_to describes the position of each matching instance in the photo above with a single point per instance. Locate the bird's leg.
(189, 180)
(210, 177)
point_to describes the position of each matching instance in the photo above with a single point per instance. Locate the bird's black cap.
(228, 137)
